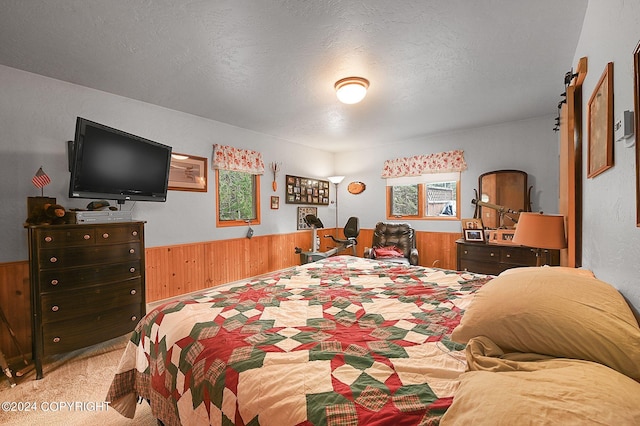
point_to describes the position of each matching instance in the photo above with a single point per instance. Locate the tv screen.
(111, 164)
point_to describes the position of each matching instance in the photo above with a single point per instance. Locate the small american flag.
(41, 179)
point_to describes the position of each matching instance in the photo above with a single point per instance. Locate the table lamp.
(541, 232)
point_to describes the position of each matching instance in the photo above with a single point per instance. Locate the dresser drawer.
(479, 253)
(93, 255)
(57, 280)
(117, 234)
(65, 237)
(517, 255)
(481, 267)
(88, 330)
(76, 303)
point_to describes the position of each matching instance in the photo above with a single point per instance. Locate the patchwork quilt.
(342, 341)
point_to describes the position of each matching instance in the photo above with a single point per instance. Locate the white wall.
(610, 33)
(528, 145)
(37, 117)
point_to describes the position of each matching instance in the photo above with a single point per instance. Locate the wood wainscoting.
(179, 269)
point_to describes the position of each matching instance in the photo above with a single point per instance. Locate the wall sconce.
(351, 90)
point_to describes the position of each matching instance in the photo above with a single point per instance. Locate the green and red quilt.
(341, 341)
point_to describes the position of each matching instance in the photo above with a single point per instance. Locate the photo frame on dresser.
(474, 235)
(600, 125)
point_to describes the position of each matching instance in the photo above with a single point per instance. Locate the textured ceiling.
(270, 65)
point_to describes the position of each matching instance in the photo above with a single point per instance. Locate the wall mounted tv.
(106, 163)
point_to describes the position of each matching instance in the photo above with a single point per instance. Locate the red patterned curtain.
(240, 160)
(442, 162)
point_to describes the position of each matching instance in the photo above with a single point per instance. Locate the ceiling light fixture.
(351, 90)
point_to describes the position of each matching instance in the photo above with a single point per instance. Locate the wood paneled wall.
(175, 270)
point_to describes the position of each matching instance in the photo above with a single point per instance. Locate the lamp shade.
(335, 179)
(540, 231)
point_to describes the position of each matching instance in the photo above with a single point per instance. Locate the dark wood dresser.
(485, 258)
(87, 284)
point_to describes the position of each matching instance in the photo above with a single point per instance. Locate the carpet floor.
(81, 378)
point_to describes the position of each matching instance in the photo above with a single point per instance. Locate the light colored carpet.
(82, 377)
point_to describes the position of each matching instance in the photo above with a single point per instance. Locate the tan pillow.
(580, 393)
(565, 269)
(558, 314)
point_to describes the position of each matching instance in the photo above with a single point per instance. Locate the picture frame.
(304, 190)
(502, 236)
(275, 202)
(187, 173)
(473, 223)
(636, 115)
(474, 235)
(600, 125)
(302, 213)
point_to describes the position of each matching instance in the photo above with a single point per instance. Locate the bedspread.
(341, 341)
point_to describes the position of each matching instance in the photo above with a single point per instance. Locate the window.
(238, 198)
(432, 196)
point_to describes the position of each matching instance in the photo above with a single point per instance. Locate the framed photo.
(188, 173)
(474, 223)
(275, 202)
(302, 213)
(636, 114)
(302, 190)
(476, 235)
(502, 236)
(600, 125)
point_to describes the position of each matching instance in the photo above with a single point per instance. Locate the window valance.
(441, 162)
(241, 160)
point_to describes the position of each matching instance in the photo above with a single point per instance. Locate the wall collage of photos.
(301, 190)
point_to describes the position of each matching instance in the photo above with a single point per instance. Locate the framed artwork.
(302, 190)
(636, 114)
(476, 235)
(302, 213)
(275, 202)
(188, 173)
(600, 125)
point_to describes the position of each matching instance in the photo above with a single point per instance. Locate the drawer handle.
(132, 251)
(105, 235)
(134, 233)
(86, 236)
(492, 254)
(466, 252)
(55, 308)
(508, 255)
(54, 282)
(133, 291)
(48, 239)
(132, 269)
(133, 318)
(56, 339)
(53, 260)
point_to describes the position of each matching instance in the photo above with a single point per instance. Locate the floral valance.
(240, 160)
(441, 162)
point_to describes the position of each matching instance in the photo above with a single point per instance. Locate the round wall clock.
(356, 187)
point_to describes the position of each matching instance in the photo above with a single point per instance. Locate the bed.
(348, 341)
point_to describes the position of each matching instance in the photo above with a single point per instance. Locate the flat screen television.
(107, 163)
